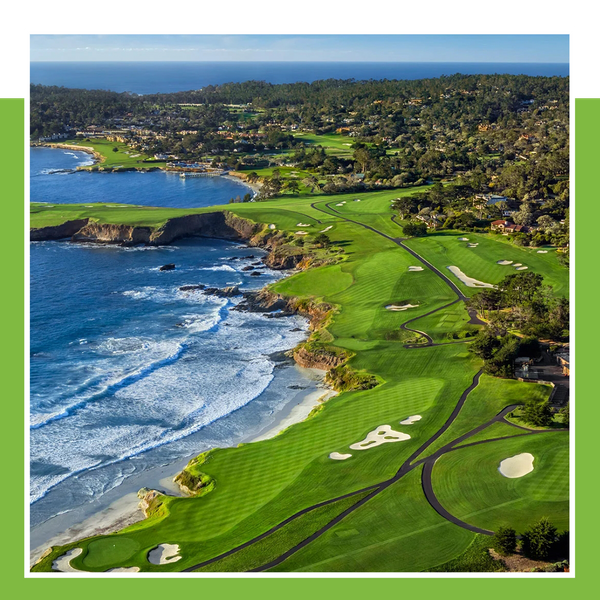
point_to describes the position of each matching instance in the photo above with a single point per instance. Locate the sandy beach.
(122, 509)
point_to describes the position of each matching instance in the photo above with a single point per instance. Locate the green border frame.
(17, 584)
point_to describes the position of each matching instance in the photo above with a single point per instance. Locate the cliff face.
(318, 360)
(217, 224)
(58, 232)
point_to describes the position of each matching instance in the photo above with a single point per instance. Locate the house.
(508, 227)
(563, 361)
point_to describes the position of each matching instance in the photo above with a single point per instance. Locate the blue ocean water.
(165, 77)
(53, 180)
(128, 372)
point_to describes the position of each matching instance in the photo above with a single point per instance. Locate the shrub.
(539, 540)
(505, 541)
(537, 414)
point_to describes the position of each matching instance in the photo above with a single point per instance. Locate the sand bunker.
(338, 456)
(164, 554)
(463, 239)
(63, 563)
(415, 269)
(516, 466)
(469, 281)
(380, 435)
(411, 420)
(301, 233)
(504, 262)
(517, 264)
(396, 307)
(522, 268)
(124, 570)
(326, 229)
(473, 245)
(302, 224)
(340, 204)
(357, 200)
(272, 226)
(542, 251)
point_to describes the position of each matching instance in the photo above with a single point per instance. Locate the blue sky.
(352, 48)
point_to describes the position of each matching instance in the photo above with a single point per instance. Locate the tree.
(404, 205)
(538, 541)
(415, 229)
(504, 541)
(293, 186)
(546, 222)
(323, 240)
(115, 149)
(564, 414)
(537, 414)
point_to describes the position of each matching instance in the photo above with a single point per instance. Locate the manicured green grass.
(475, 559)
(468, 484)
(124, 157)
(336, 144)
(485, 402)
(397, 531)
(444, 250)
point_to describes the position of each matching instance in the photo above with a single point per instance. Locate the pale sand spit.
(381, 435)
(411, 269)
(63, 563)
(411, 420)
(164, 554)
(401, 307)
(504, 262)
(338, 456)
(469, 281)
(516, 466)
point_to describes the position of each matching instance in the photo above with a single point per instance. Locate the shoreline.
(99, 159)
(123, 508)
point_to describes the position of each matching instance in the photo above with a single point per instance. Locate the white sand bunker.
(411, 269)
(301, 233)
(463, 239)
(357, 200)
(302, 224)
(517, 264)
(504, 262)
(522, 268)
(63, 563)
(338, 456)
(326, 229)
(396, 307)
(542, 251)
(272, 226)
(340, 204)
(469, 281)
(164, 554)
(380, 435)
(124, 570)
(473, 245)
(516, 466)
(411, 420)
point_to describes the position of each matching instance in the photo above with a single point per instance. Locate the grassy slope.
(468, 484)
(260, 484)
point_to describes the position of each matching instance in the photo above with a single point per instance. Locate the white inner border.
(525, 30)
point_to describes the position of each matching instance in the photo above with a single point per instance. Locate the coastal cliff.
(217, 225)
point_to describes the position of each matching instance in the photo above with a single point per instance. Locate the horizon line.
(441, 62)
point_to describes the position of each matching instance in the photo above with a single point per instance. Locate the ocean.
(165, 77)
(127, 371)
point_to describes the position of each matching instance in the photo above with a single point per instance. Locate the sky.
(329, 48)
